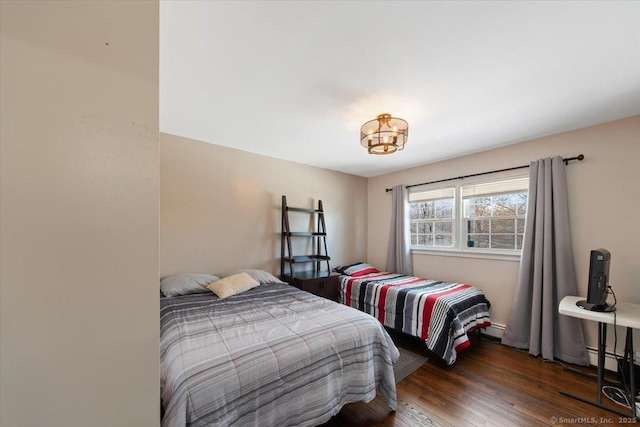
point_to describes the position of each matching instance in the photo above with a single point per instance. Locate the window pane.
(520, 225)
(416, 210)
(480, 206)
(444, 227)
(504, 205)
(424, 211)
(522, 208)
(478, 226)
(443, 240)
(503, 226)
(503, 241)
(521, 203)
(479, 240)
(421, 239)
(414, 239)
(443, 208)
(413, 211)
(519, 239)
(428, 240)
(427, 210)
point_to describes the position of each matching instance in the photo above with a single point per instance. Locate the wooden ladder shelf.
(319, 235)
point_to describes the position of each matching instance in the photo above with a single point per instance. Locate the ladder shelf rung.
(304, 210)
(307, 258)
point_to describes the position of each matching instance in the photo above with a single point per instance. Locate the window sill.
(514, 257)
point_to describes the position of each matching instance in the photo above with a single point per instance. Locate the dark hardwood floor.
(489, 385)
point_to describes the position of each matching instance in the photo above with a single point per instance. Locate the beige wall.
(220, 208)
(79, 214)
(604, 197)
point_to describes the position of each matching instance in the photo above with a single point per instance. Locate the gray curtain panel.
(399, 251)
(547, 272)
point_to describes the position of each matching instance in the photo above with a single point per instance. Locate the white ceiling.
(296, 80)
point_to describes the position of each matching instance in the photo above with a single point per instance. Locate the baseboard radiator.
(610, 363)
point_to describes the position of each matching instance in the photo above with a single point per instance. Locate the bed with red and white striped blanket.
(440, 313)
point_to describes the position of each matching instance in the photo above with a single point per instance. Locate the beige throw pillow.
(232, 285)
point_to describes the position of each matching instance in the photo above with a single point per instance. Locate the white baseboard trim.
(610, 364)
(494, 330)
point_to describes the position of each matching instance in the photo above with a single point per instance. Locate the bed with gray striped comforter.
(271, 356)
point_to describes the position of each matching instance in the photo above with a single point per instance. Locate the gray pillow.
(259, 276)
(186, 283)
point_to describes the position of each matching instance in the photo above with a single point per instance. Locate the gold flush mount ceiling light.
(384, 135)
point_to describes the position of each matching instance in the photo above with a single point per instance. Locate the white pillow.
(232, 285)
(186, 283)
(260, 276)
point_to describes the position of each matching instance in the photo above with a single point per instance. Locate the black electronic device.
(598, 288)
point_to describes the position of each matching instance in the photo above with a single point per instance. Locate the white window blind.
(441, 193)
(495, 187)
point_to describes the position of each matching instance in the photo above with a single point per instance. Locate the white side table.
(626, 315)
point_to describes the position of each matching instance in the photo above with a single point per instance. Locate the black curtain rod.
(566, 161)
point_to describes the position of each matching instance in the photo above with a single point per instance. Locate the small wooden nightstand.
(323, 284)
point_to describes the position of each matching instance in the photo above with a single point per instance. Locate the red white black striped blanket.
(440, 313)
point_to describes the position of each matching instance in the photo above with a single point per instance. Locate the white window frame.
(444, 194)
(459, 248)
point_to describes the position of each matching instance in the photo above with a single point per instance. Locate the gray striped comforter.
(271, 356)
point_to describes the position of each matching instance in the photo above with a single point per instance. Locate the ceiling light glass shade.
(384, 135)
